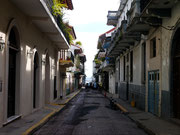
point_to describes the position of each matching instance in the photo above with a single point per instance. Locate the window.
(131, 66)
(124, 68)
(153, 48)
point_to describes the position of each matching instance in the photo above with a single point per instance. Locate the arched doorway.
(35, 80)
(47, 80)
(176, 74)
(13, 72)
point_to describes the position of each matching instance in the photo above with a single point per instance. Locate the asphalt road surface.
(89, 113)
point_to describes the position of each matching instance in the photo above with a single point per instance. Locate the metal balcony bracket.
(160, 13)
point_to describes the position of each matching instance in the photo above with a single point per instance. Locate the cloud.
(90, 11)
(89, 42)
(89, 17)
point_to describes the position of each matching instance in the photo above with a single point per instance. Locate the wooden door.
(153, 92)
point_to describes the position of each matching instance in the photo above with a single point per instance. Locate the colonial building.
(31, 39)
(145, 47)
(105, 65)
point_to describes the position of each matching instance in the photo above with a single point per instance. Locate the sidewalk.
(28, 124)
(150, 123)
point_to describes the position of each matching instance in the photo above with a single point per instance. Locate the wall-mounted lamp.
(43, 61)
(2, 44)
(30, 52)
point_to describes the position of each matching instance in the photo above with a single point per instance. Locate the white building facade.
(29, 60)
(144, 45)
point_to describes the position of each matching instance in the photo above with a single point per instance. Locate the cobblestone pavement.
(89, 113)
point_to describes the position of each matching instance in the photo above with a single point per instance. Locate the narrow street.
(90, 113)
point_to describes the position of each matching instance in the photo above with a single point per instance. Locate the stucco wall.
(30, 36)
(154, 63)
(137, 66)
(167, 37)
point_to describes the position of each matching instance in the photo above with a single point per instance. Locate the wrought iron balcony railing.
(108, 64)
(66, 58)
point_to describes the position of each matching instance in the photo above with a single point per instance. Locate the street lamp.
(2, 44)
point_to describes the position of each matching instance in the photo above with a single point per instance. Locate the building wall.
(136, 87)
(167, 36)
(134, 90)
(153, 64)
(30, 36)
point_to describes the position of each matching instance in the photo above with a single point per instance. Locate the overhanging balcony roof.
(122, 42)
(138, 26)
(39, 14)
(157, 8)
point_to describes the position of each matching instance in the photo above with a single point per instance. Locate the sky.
(89, 19)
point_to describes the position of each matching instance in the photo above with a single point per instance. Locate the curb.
(43, 121)
(125, 111)
(147, 130)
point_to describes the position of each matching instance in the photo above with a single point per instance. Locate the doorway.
(176, 75)
(13, 72)
(153, 92)
(35, 80)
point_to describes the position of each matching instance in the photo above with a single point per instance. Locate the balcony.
(112, 18)
(122, 40)
(108, 64)
(134, 22)
(39, 12)
(97, 65)
(134, 11)
(66, 59)
(159, 9)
